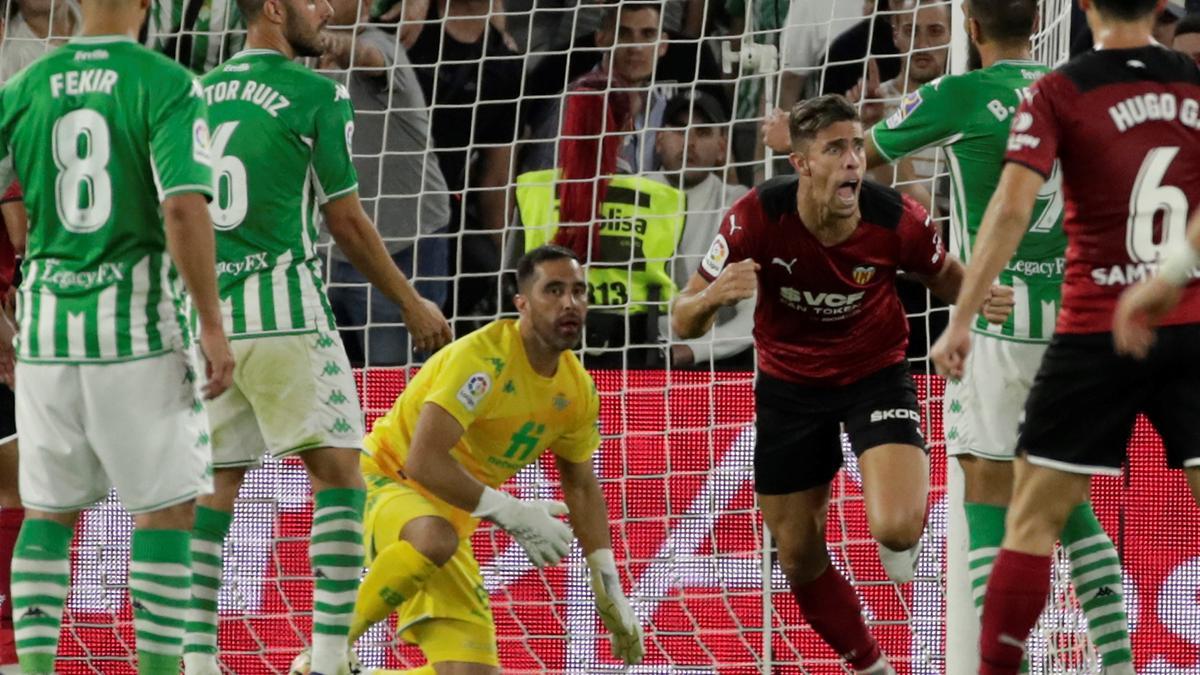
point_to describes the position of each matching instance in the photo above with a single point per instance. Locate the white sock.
(901, 566)
(198, 663)
(881, 667)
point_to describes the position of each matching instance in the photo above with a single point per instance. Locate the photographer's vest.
(639, 234)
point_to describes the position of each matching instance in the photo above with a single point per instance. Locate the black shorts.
(8, 414)
(798, 443)
(1080, 412)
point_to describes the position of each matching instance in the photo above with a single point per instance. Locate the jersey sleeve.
(735, 240)
(179, 140)
(579, 444)
(1036, 129)
(332, 160)
(921, 248)
(464, 388)
(925, 117)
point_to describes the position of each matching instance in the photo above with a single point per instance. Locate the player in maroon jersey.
(12, 514)
(822, 249)
(1124, 121)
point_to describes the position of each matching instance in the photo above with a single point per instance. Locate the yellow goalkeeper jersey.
(510, 414)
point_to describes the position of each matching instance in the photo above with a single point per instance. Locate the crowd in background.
(485, 127)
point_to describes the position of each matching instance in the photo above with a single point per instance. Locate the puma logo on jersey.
(785, 265)
(733, 226)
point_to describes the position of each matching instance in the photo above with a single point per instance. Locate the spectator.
(35, 27)
(845, 62)
(1187, 36)
(472, 77)
(769, 21)
(810, 27)
(922, 36)
(200, 34)
(399, 182)
(629, 280)
(602, 111)
(692, 151)
(574, 43)
(1166, 23)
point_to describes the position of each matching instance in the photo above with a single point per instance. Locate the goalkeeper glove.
(531, 523)
(614, 609)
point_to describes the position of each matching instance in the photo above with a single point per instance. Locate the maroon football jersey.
(827, 315)
(1125, 123)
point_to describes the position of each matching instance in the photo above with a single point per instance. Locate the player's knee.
(434, 538)
(333, 468)
(900, 530)
(803, 561)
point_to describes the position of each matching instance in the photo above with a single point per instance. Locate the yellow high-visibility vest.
(642, 222)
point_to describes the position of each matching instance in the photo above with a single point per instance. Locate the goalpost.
(675, 466)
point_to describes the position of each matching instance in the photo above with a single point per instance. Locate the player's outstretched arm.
(1004, 225)
(694, 310)
(192, 246)
(1144, 305)
(589, 519)
(532, 523)
(357, 237)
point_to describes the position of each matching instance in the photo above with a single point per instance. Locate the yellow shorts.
(451, 618)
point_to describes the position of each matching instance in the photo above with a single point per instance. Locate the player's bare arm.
(1004, 224)
(357, 237)
(430, 464)
(1144, 305)
(16, 221)
(531, 522)
(947, 284)
(589, 520)
(193, 248)
(694, 310)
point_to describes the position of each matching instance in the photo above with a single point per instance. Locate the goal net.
(458, 149)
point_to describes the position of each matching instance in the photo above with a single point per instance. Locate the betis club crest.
(863, 274)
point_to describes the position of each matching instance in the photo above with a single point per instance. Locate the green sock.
(160, 583)
(1096, 572)
(208, 540)
(336, 550)
(985, 525)
(41, 575)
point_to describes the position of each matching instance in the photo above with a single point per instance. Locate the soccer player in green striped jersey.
(281, 158)
(110, 140)
(970, 117)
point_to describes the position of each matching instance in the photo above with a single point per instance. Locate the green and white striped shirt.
(281, 149)
(101, 132)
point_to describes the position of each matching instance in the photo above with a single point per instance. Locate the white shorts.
(138, 426)
(290, 393)
(984, 409)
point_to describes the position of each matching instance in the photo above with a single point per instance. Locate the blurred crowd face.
(924, 34)
(695, 150)
(638, 44)
(349, 12)
(1188, 43)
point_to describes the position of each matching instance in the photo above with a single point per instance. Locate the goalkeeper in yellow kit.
(478, 412)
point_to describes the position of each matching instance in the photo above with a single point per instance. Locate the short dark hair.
(251, 8)
(1126, 10)
(1005, 21)
(609, 18)
(1190, 23)
(527, 265)
(809, 117)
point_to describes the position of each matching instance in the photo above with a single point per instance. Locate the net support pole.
(962, 623)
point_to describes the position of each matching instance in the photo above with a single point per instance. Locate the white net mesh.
(455, 119)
